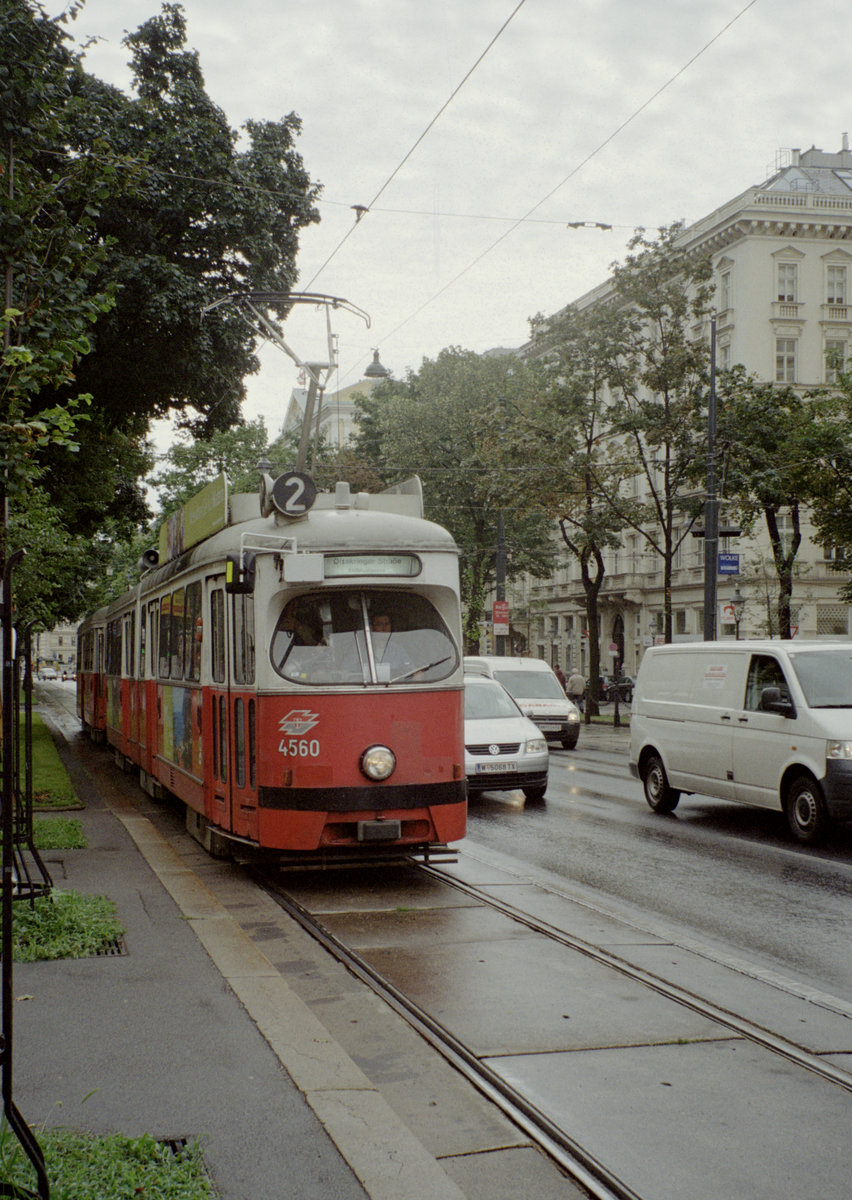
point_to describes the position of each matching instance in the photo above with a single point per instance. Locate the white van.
(764, 722)
(537, 692)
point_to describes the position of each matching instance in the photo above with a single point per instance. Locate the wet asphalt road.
(696, 894)
(718, 872)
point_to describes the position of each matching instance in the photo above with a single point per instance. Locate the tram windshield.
(362, 637)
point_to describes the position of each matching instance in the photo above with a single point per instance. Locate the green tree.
(121, 219)
(192, 463)
(657, 382)
(47, 216)
(825, 445)
(563, 438)
(772, 440)
(445, 422)
(208, 219)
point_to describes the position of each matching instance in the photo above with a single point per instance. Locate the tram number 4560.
(300, 747)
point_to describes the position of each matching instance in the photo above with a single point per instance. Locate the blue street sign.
(729, 564)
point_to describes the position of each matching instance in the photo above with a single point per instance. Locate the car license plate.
(550, 727)
(493, 768)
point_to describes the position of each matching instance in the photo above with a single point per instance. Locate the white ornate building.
(337, 412)
(782, 260)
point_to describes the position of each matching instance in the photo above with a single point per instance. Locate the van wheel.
(806, 811)
(661, 798)
(535, 795)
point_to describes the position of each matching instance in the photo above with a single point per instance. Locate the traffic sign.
(729, 564)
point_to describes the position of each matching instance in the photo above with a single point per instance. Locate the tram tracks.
(566, 1150)
(746, 1029)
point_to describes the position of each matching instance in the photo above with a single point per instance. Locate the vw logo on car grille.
(493, 749)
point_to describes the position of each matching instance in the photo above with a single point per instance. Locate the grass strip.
(58, 833)
(63, 925)
(52, 787)
(84, 1167)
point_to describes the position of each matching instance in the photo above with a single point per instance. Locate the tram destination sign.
(404, 566)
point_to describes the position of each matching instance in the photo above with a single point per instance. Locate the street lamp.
(737, 606)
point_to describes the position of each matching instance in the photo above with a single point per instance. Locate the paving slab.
(732, 1104)
(532, 995)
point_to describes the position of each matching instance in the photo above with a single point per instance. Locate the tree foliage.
(445, 423)
(658, 385)
(213, 215)
(121, 219)
(564, 436)
(769, 437)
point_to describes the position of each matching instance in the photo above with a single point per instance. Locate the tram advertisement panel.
(181, 739)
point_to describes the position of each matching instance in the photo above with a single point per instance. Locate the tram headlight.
(378, 762)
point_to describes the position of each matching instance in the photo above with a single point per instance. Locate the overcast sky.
(537, 131)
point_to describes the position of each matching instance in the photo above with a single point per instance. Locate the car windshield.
(531, 685)
(825, 679)
(484, 700)
(361, 636)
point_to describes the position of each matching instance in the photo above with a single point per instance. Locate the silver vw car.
(503, 749)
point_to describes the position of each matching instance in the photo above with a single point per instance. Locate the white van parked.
(764, 722)
(536, 691)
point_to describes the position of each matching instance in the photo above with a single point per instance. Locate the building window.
(835, 285)
(832, 620)
(788, 282)
(680, 621)
(835, 360)
(785, 360)
(785, 531)
(725, 291)
(725, 356)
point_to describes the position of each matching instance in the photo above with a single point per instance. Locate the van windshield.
(531, 685)
(825, 679)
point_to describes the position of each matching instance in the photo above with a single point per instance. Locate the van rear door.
(698, 695)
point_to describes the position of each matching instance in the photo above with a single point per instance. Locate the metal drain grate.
(177, 1145)
(115, 948)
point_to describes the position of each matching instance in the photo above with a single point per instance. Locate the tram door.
(243, 717)
(216, 718)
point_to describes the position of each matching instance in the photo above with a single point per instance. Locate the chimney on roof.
(795, 156)
(846, 141)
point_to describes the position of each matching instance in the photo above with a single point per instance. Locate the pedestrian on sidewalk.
(576, 689)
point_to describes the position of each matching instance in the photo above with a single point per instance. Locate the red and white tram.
(291, 670)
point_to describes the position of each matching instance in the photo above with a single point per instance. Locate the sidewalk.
(602, 735)
(189, 1032)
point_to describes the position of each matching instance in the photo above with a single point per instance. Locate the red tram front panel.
(312, 793)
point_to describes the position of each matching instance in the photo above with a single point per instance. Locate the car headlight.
(378, 762)
(537, 746)
(838, 750)
(573, 716)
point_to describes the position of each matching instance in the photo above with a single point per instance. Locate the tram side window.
(244, 639)
(177, 640)
(86, 651)
(153, 640)
(252, 745)
(239, 742)
(192, 632)
(113, 648)
(143, 635)
(129, 644)
(217, 634)
(362, 636)
(165, 632)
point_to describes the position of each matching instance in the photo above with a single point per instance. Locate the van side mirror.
(773, 700)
